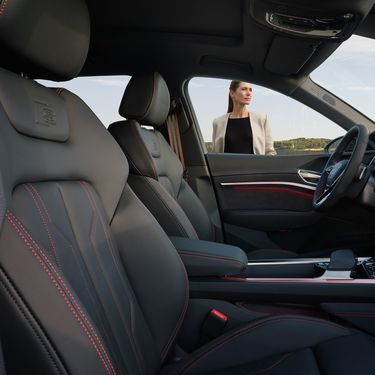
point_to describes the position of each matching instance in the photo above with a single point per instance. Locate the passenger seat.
(156, 173)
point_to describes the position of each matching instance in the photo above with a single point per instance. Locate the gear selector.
(341, 264)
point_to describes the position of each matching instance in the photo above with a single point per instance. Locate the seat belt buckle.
(214, 325)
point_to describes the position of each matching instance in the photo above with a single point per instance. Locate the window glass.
(102, 94)
(295, 128)
(348, 73)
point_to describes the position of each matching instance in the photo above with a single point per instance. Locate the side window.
(103, 94)
(294, 127)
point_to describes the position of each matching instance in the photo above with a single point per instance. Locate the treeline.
(296, 144)
(301, 144)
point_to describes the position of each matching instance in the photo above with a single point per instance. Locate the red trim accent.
(277, 189)
(219, 314)
(296, 280)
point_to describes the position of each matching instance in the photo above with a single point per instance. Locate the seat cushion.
(282, 345)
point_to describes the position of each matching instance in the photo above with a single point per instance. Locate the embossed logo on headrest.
(45, 115)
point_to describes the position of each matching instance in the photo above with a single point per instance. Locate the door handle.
(310, 177)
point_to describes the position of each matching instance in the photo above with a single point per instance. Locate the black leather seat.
(89, 281)
(156, 173)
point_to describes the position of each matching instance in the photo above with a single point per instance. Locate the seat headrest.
(146, 100)
(44, 38)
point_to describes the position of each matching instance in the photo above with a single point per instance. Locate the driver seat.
(89, 282)
(156, 173)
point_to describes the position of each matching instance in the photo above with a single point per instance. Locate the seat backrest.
(79, 289)
(156, 173)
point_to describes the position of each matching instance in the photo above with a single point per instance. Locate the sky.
(348, 73)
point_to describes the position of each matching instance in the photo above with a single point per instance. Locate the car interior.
(128, 248)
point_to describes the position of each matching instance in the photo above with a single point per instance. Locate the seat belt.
(213, 326)
(174, 133)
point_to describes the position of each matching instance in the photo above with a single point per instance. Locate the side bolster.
(22, 261)
(151, 262)
(128, 136)
(163, 206)
(195, 211)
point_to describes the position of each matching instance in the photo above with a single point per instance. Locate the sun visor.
(287, 55)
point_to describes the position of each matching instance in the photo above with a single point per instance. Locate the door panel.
(266, 202)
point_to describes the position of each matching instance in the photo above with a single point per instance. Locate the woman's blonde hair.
(234, 85)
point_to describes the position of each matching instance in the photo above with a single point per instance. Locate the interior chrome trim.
(288, 262)
(253, 183)
(336, 275)
(297, 261)
(304, 175)
(315, 280)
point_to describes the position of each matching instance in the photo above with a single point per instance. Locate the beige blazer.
(262, 139)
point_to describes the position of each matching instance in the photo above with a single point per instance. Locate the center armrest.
(205, 258)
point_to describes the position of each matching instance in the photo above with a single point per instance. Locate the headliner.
(207, 38)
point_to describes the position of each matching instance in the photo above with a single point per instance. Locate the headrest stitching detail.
(3, 6)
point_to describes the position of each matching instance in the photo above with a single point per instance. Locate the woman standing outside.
(241, 131)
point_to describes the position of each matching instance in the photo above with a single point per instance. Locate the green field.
(297, 145)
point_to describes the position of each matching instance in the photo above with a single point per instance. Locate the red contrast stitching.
(110, 244)
(33, 193)
(13, 220)
(180, 320)
(248, 329)
(3, 6)
(95, 209)
(215, 257)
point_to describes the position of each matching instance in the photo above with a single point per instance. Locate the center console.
(341, 287)
(221, 271)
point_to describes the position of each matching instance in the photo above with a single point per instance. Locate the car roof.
(219, 38)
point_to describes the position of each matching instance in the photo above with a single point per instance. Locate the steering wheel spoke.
(339, 172)
(324, 195)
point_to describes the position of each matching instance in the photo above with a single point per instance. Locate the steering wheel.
(339, 173)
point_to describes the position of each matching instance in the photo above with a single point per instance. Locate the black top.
(238, 136)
